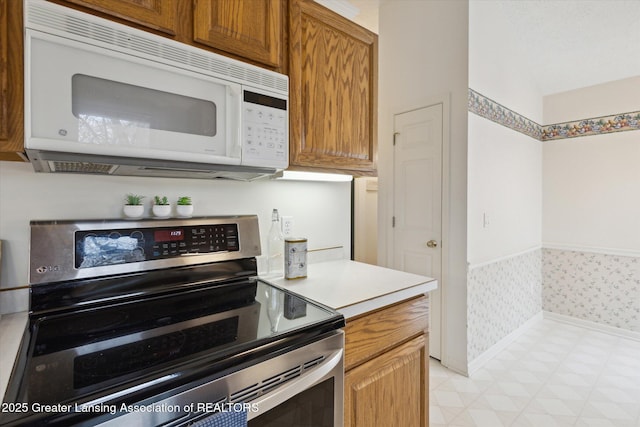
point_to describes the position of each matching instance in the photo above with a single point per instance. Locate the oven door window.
(312, 408)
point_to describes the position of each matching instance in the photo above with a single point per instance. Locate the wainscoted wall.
(501, 296)
(588, 188)
(601, 288)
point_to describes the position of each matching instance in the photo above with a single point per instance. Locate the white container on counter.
(295, 258)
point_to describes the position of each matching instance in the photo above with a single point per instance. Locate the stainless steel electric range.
(165, 322)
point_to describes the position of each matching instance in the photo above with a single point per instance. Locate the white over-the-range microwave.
(104, 98)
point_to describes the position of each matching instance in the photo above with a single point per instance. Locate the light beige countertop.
(12, 327)
(355, 288)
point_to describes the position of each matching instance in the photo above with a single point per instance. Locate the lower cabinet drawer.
(377, 332)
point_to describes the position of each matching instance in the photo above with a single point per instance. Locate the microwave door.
(87, 99)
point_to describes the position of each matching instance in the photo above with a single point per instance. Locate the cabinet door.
(11, 80)
(333, 89)
(248, 28)
(390, 390)
(160, 15)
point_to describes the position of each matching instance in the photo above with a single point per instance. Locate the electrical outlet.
(287, 226)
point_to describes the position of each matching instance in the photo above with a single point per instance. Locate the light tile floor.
(554, 374)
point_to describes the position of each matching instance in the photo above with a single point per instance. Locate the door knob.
(432, 244)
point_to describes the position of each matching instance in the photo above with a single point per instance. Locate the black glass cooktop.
(87, 354)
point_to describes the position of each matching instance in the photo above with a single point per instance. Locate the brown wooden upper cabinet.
(250, 30)
(159, 15)
(247, 28)
(333, 91)
(11, 80)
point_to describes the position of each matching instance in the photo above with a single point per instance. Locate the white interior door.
(417, 240)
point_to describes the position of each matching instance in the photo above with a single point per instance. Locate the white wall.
(592, 193)
(321, 210)
(620, 96)
(592, 184)
(505, 191)
(505, 166)
(423, 60)
(497, 64)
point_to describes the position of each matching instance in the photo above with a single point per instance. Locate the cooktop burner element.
(122, 328)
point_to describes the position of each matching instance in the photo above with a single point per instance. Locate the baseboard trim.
(587, 324)
(481, 360)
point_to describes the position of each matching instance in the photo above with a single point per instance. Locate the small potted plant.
(133, 207)
(161, 207)
(184, 207)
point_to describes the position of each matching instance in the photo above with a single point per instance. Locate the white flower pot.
(184, 211)
(133, 211)
(162, 211)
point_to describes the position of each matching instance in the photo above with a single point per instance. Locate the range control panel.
(98, 248)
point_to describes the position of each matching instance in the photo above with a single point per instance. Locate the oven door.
(314, 400)
(303, 386)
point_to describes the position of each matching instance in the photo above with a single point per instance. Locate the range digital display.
(168, 235)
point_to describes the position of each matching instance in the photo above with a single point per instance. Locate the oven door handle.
(291, 388)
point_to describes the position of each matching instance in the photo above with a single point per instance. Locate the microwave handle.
(234, 120)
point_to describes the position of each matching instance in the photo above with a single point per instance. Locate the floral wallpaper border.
(596, 126)
(489, 109)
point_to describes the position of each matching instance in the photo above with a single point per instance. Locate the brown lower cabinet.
(387, 366)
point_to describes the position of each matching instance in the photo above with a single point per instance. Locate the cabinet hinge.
(395, 135)
(393, 221)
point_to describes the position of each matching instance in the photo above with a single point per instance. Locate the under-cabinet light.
(315, 176)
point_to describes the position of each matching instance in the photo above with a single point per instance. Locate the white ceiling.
(566, 44)
(571, 44)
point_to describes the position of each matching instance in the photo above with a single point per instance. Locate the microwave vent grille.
(68, 21)
(81, 167)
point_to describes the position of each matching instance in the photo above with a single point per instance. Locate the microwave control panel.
(110, 247)
(265, 130)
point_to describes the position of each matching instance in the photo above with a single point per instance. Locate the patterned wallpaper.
(591, 286)
(501, 297)
(489, 109)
